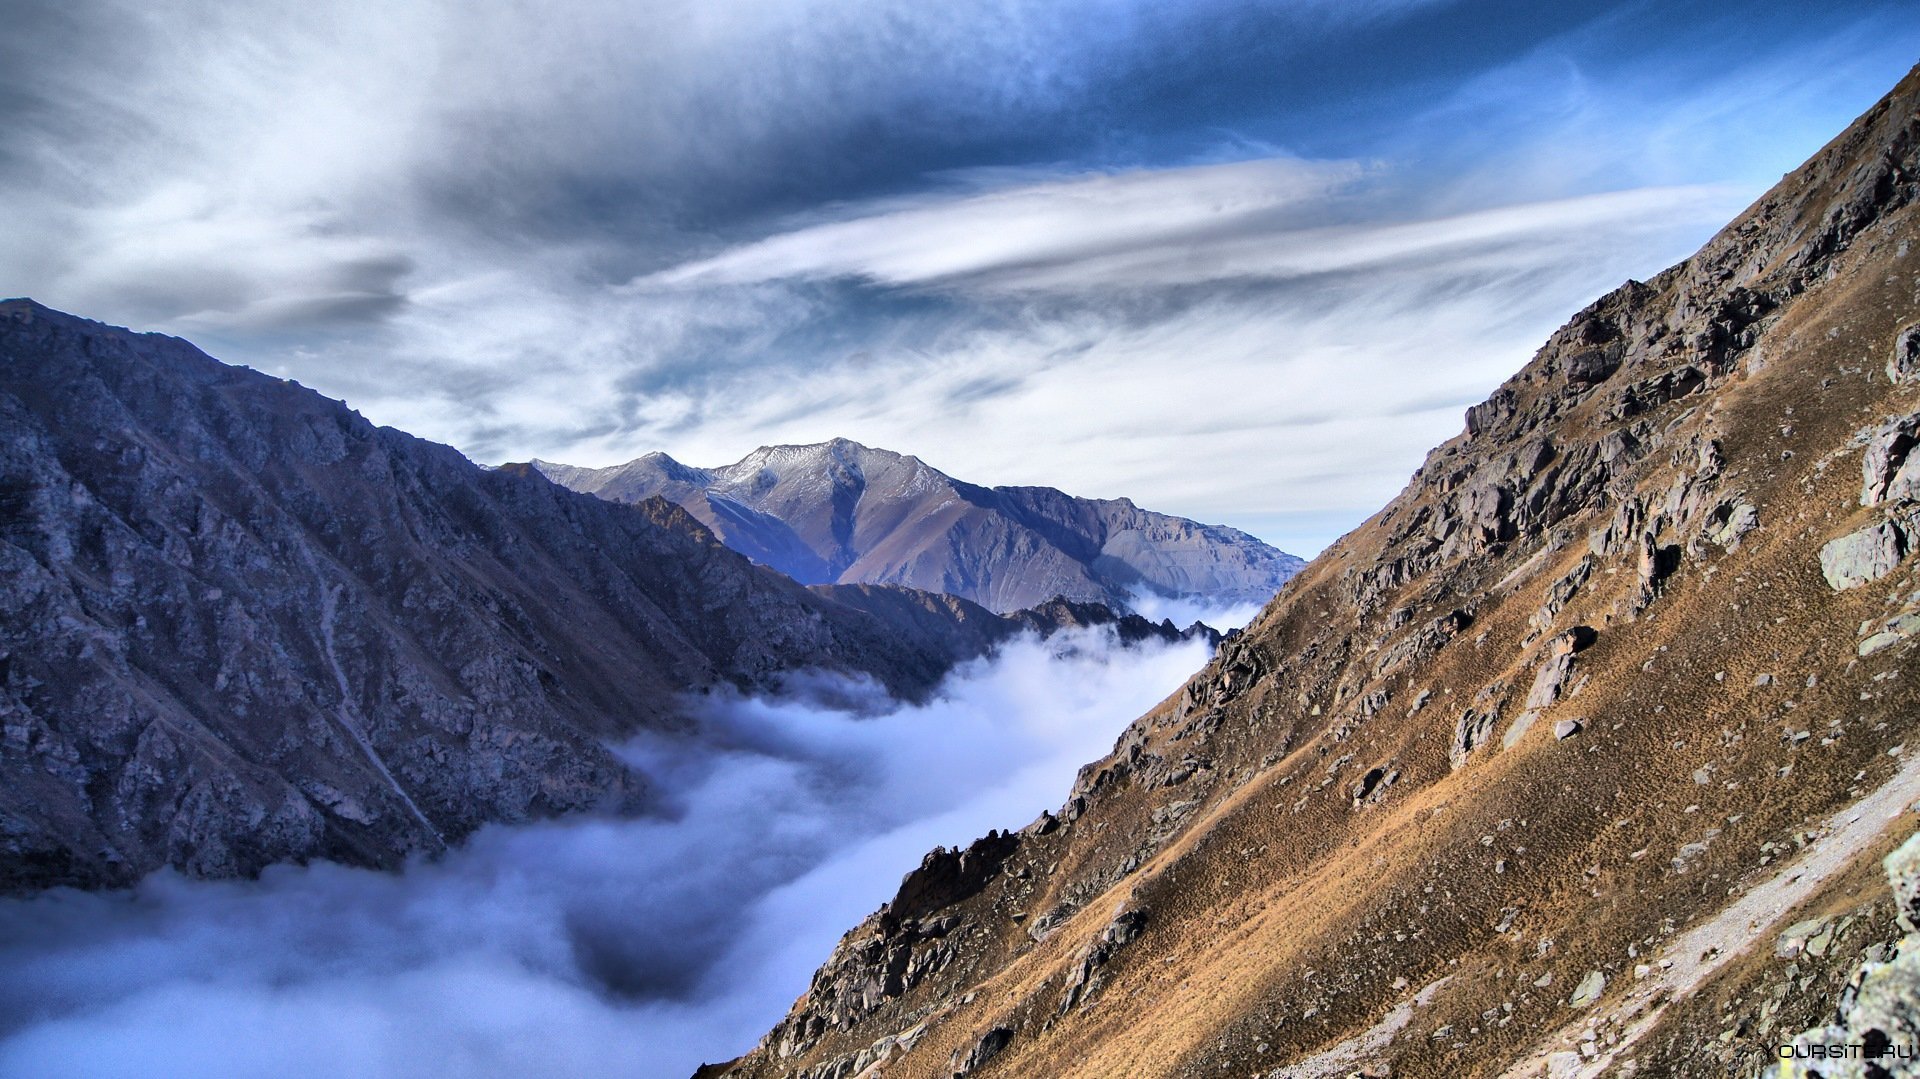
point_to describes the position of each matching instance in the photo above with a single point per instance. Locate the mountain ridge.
(1572, 760)
(243, 625)
(841, 512)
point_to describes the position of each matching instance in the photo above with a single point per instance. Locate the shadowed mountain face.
(1573, 760)
(841, 512)
(240, 625)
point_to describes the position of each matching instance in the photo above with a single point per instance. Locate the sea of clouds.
(584, 947)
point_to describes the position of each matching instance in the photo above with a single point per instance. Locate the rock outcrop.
(1875, 1033)
(1353, 861)
(840, 512)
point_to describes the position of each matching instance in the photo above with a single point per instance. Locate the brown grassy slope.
(1274, 863)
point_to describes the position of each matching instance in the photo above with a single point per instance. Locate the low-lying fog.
(1184, 611)
(634, 948)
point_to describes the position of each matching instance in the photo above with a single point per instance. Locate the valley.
(912, 744)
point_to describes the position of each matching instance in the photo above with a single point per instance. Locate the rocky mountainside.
(841, 512)
(1573, 760)
(243, 625)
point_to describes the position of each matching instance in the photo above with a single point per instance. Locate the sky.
(1244, 262)
(639, 948)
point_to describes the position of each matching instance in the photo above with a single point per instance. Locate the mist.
(1184, 611)
(608, 947)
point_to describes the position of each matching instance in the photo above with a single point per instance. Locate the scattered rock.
(1862, 557)
(1888, 467)
(1470, 732)
(1729, 523)
(1566, 728)
(1589, 989)
(1794, 940)
(965, 1062)
(1904, 365)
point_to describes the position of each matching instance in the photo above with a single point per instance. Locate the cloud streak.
(1161, 229)
(588, 234)
(637, 948)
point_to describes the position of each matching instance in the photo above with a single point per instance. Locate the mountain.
(840, 512)
(1575, 759)
(243, 625)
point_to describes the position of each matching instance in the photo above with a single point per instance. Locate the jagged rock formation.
(944, 624)
(1876, 1029)
(1528, 774)
(242, 625)
(841, 512)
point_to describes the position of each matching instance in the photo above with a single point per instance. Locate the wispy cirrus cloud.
(1262, 220)
(1061, 222)
(1033, 242)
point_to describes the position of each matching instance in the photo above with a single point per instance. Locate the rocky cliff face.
(1573, 760)
(841, 512)
(242, 625)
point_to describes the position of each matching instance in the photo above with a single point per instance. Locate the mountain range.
(840, 512)
(1573, 760)
(242, 625)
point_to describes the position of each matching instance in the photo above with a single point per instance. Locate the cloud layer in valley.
(589, 947)
(1240, 260)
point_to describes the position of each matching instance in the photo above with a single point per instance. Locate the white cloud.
(1317, 390)
(439, 213)
(637, 948)
(1166, 228)
(1060, 224)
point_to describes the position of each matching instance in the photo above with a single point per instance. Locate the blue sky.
(1241, 261)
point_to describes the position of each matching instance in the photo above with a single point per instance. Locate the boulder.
(1550, 683)
(1888, 467)
(1589, 989)
(967, 1061)
(1904, 365)
(1860, 557)
(1470, 732)
(1591, 366)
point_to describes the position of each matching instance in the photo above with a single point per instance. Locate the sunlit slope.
(1542, 759)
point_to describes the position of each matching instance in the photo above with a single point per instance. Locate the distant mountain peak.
(842, 512)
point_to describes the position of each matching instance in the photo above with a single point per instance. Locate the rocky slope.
(1573, 760)
(841, 512)
(240, 625)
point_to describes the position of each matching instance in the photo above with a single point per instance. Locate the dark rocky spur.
(241, 625)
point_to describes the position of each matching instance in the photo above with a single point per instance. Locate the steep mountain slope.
(242, 625)
(1573, 760)
(841, 512)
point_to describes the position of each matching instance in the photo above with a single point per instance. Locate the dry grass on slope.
(1338, 864)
